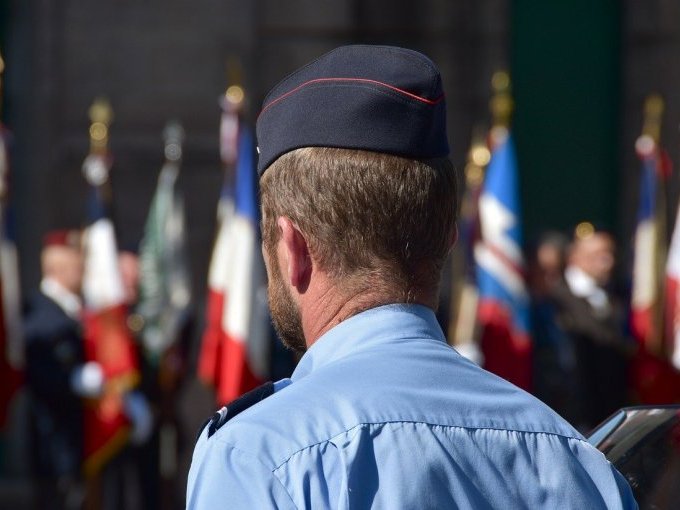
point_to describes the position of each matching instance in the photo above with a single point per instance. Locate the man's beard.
(285, 314)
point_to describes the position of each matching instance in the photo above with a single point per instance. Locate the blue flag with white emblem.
(503, 310)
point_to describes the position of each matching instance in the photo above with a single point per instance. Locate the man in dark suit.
(593, 320)
(56, 373)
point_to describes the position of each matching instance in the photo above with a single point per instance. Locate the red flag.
(107, 338)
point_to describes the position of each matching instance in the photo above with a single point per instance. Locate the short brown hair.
(365, 214)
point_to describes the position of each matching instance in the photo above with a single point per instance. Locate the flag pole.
(462, 332)
(170, 361)
(651, 134)
(232, 103)
(653, 113)
(654, 109)
(501, 103)
(501, 106)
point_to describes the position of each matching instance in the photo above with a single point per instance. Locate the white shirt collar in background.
(583, 285)
(67, 300)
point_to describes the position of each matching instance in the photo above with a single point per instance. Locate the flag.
(503, 310)
(653, 316)
(208, 362)
(107, 339)
(11, 341)
(649, 254)
(672, 298)
(235, 350)
(165, 292)
(656, 368)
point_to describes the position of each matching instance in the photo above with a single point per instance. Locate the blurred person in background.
(547, 262)
(57, 376)
(593, 319)
(553, 357)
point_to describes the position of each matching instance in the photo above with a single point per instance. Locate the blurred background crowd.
(132, 287)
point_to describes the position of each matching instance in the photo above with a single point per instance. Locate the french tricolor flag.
(646, 318)
(235, 349)
(655, 318)
(503, 311)
(107, 339)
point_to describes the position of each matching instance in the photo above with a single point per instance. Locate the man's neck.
(327, 305)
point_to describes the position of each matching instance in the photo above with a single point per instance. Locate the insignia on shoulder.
(235, 408)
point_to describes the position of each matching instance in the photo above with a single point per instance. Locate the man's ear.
(296, 256)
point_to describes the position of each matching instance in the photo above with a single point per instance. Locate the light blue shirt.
(382, 413)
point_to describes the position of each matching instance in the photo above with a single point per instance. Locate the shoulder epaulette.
(236, 407)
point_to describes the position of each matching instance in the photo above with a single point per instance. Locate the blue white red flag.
(107, 339)
(235, 350)
(503, 310)
(208, 362)
(646, 299)
(654, 301)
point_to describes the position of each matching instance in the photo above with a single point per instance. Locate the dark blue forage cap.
(376, 98)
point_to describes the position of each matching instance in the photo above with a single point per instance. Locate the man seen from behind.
(358, 216)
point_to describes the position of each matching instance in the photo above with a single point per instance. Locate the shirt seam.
(498, 429)
(264, 465)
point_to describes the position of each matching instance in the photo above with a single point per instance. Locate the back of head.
(594, 254)
(369, 218)
(62, 260)
(353, 149)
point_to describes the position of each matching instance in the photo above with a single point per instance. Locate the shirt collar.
(69, 302)
(584, 286)
(378, 326)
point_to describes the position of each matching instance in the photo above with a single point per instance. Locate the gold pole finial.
(654, 107)
(501, 102)
(478, 157)
(649, 139)
(584, 230)
(234, 70)
(101, 116)
(235, 94)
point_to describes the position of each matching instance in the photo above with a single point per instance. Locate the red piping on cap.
(431, 102)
